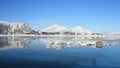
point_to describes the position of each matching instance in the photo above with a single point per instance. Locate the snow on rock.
(57, 28)
(15, 28)
(79, 29)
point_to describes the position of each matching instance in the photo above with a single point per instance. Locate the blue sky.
(94, 15)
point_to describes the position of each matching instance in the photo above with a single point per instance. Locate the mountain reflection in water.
(14, 42)
(58, 52)
(56, 42)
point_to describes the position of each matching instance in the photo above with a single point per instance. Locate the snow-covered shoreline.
(56, 35)
(45, 35)
(76, 36)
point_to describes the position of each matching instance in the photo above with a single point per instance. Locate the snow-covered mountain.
(79, 29)
(8, 28)
(57, 28)
(15, 28)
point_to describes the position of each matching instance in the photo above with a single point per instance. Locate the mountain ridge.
(15, 28)
(11, 28)
(58, 28)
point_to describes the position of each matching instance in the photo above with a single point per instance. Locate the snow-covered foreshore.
(82, 36)
(28, 35)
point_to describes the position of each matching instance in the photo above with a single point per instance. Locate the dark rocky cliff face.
(4, 28)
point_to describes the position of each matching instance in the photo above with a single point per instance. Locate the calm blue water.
(35, 52)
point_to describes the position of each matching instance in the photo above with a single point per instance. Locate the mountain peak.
(57, 28)
(55, 25)
(15, 28)
(78, 27)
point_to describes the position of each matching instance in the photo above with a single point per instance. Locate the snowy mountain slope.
(57, 28)
(79, 29)
(8, 28)
(15, 28)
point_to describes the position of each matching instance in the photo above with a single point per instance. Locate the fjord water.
(36, 52)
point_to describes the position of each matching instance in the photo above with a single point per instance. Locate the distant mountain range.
(7, 28)
(57, 28)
